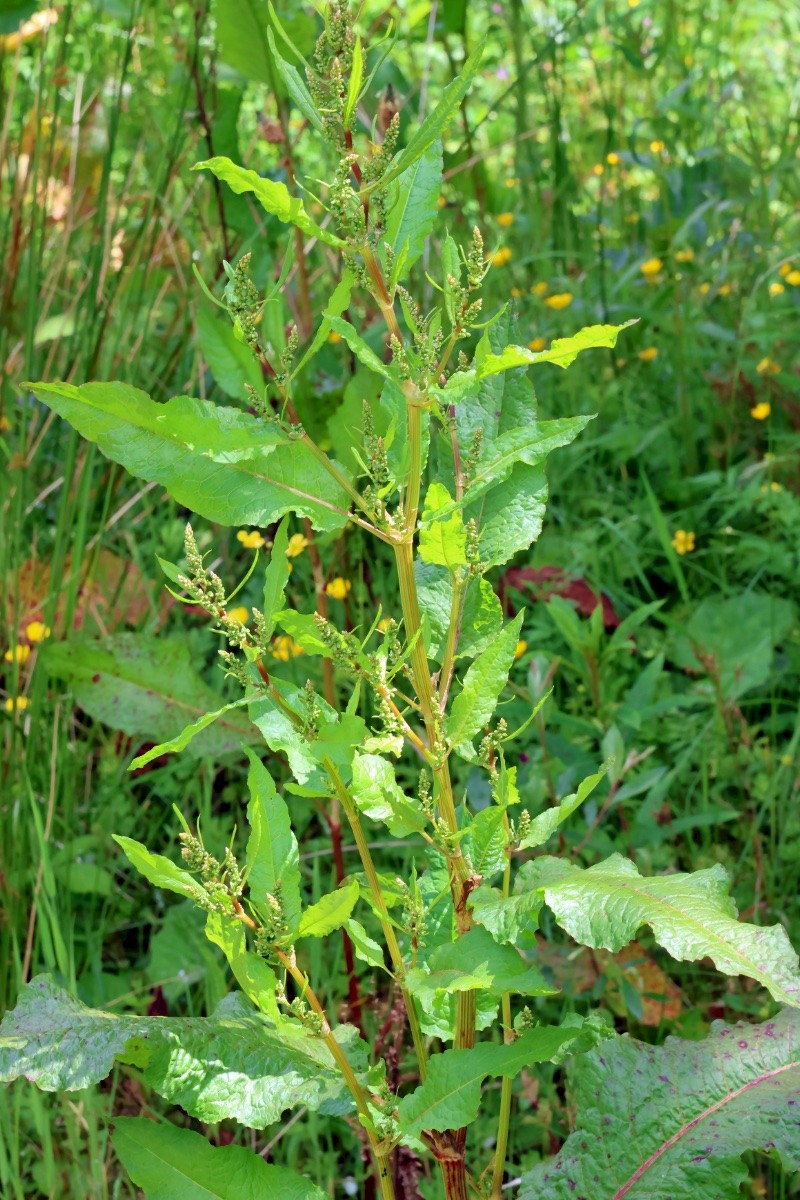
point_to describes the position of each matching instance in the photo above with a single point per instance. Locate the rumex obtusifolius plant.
(451, 481)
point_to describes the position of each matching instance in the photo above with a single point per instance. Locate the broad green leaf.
(691, 916)
(337, 737)
(442, 540)
(543, 826)
(485, 842)
(365, 947)
(276, 577)
(230, 361)
(160, 871)
(483, 684)
(303, 629)
(476, 962)
(354, 83)
(561, 353)
(437, 120)
(413, 206)
(362, 351)
(218, 1067)
(296, 86)
(506, 917)
(379, 796)
(255, 978)
(224, 464)
(329, 913)
(169, 1163)
(672, 1122)
(273, 859)
(482, 616)
(337, 304)
(175, 745)
(528, 444)
(450, 1096)
(148, 687)
(274, 197)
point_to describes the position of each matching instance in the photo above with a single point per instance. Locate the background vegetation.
(623, 160)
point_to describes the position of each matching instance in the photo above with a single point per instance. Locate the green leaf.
(148, 687)
(219, 1067)
(160, 871)
(476, 962)
(257, 981)
(230, 361)
(483, 683)
(224, 464)
(337, 304)
(485, 841)
(185, 736)
(482, 617)
(545, 825)
(365, 947)
(413, 207)
(378, 796)
(506, 917)
(562, 352)
(437, 120)
(296, 87)
(329, 913)
(442, 540)
(274, 197)
(691, 916)
(354, 83)
(169, 1163)
(362, 351)
(276, 577)
(673, 1121)
(529, 444)
(450, 1096)
(273, 859)
(337, 737)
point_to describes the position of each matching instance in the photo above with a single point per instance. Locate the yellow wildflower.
(385, 623)
(251, 539)
(784, 269)
(724, 289)
(612, 159)
(5, 424)
(16, 703)
(657, 147)
(651, 267)
(793, 278)
(685, 255)
(239, 614)
(501, 257)
(338, 588)
(598, 169)
(768, 366)
(516, 292)
(17, 654)
(440, 203)
(772, 486)
(648, 354)
(683, 541)
(521, 647)
(540, 288)
(536, 344)
(760, 411)
(334, 337)
(511, 182)
(285, 647)
(634, 3)
(776, 288)
(621, 362)
(559, 300)
(37, 631)
(704, 289)
(505, 219)
(297, 544)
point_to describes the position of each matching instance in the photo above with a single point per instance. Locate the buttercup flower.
(776, 288)
(501, 257)
(539, 289)
(516, 292)
(37, 631)
(648, 354)
(284, 648)
(612, 159)
(793, 278)
(17, 654)
(511, 182)
(598, 169)
(772, 486)
(704, 289)
(784, 269)
(251, 539)
(760, 411)
(768, 366)
(297, 544)
(657, 147)
(521, 647)
(685, 255)
(559, 300)
(683, 541)
(724, 289)
(239, 614)
(505, 219)
(16, 703)
(334, 337)
(338, 588)
(536, 344)
(651, 267)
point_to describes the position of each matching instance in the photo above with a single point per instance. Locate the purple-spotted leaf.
(671, 1122)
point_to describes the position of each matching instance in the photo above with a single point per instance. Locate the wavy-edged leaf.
(671, 1122)
(476, 962)
(414, 206)
(362, 351)
(273, 196)
(257, 980)
(222, 463)
(691, 916)
(273, 858)
(219, 1067)
(442, 541)
(379, 796)
(483, 683)
(231, 362)
(276, 577)
(545, 825)
(329, 913)
(160, 870)
(450, 1096)
(175, 745)
(561, 353)
(296, 86)
(482, 617)
(169, 1163)
(506, 917)
(437, 120)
